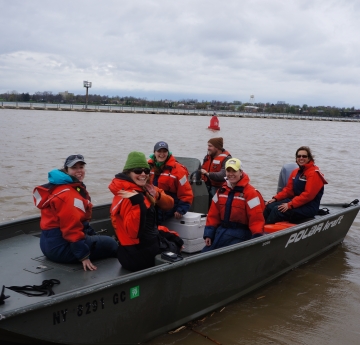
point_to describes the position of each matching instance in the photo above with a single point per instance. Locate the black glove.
(88, 229)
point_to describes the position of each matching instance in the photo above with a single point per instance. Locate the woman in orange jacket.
(133, 215)
(66, 209)
(172, 177)
(300, 198)
(236, 211)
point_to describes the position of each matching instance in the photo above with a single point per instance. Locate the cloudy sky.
(297, 51)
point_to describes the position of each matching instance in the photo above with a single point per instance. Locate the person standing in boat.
(236, 211)
(172, 177)
(66, 209)
(213, 167)
(300, 198)
(133, 215)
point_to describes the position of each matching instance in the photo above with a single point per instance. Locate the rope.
(36, 290)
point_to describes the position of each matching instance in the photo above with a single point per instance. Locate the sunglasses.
(302, 156)
(72, 157)
(139, 171)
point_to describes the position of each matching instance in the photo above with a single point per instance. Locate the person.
(172, 177)
(236, 211)
(66, 209)
(213, 167)
(300, 198)
(133, 215)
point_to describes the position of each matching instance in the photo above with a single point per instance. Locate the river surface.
(318, 303)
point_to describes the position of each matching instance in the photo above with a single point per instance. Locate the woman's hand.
(150, 189)
(125, 194)
(177, 215)
(283, 207)
(208, 241)
(88, 265)
(270, 201)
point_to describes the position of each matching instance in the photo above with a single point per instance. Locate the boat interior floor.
(23, 264)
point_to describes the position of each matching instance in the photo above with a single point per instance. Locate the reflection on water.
(316, 303)
(310, 305)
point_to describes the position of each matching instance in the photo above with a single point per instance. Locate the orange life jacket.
(214, 164)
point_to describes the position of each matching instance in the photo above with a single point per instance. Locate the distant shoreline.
(166, 111)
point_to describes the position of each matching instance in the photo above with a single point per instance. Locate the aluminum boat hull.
(114, 306)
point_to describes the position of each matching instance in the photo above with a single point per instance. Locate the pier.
(167, 111)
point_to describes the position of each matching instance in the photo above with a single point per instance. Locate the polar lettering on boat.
(57, 316)
(333, 223)
(297, 236)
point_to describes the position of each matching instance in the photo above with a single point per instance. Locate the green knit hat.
(136, 160)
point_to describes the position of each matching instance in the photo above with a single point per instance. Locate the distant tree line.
(214, 105)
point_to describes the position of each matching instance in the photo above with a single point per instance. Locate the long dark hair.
(307, 149)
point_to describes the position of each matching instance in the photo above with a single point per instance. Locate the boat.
(114, 306)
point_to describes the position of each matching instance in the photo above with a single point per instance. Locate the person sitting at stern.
(300, 198)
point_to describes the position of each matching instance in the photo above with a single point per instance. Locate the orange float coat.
(304, 186)
(173, 180)
(214, 165)
(65, 207)
(241, 206)
(128, 215)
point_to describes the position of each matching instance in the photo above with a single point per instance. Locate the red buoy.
(214, 123)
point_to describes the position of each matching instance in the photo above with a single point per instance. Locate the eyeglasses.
(139, 171)
(302, 156)
(72, 157)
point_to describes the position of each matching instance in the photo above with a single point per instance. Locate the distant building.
(66, 94)
(251, 108)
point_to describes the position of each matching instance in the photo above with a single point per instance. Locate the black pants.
(140, 256)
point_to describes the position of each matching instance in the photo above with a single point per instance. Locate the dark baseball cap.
(161, 145)
(73, 159)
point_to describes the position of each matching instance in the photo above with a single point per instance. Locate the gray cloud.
(296, 51)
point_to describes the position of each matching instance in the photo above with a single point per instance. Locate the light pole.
(87, 84)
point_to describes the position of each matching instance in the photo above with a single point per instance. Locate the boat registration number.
(94, 306)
